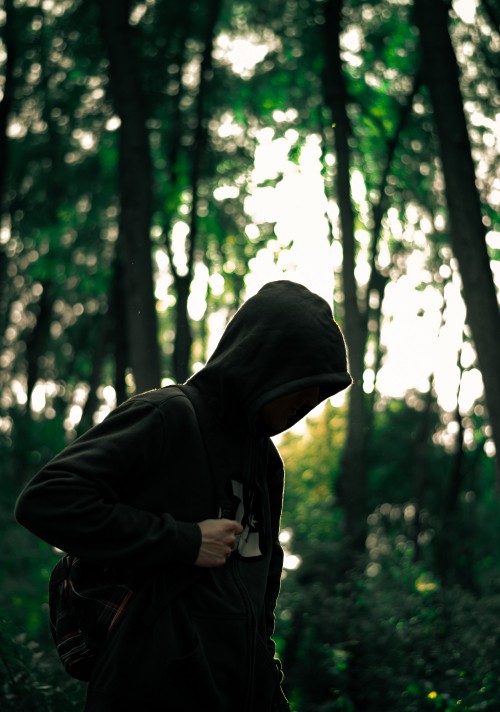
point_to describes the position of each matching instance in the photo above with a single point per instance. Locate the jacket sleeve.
(82, 501)
(275, 484)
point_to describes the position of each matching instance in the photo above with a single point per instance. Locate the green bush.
(32, 678)
(386, 638)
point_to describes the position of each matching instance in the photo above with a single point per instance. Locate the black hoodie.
(128, 494)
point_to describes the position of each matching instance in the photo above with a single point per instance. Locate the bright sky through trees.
(418, 339)
(224, 140)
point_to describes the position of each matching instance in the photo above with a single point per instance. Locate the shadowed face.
(280, 414)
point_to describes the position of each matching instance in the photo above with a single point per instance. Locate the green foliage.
(414, 625)
(393, 640)
(411, 484)
(32, 678)
(312, 464)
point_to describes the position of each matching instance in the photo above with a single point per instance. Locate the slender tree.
(467, 229)
(353, 485)
(135, 189)
(5, 108)
(182, 283)
(8, 94)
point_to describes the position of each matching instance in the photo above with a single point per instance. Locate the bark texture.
(467, 229)
(5, 108)
(135, 190)
(352, 489)
(182, 283)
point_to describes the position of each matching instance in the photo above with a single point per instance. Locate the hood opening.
(282, 340)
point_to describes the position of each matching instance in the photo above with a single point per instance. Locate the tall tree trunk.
(99, 347)
(135, 188)
(378, 281)
(420, 450)
(6, 103)
(183, 335)
(451, 550)
(174, 132)
(467, 229)
(36, 340)
(182, 283)
(118, 331)
(353, 486)
(5, 108)
(357, 310)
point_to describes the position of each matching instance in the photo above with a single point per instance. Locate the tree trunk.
(99, 347)
(419, 467)
(135, 188)
(183, 336)
(182, 284)
(5, 107)
(6, 103)
(467, 229)
(352, 489)
(36, 340)
(118, 331)
(357, 311)
(378, 281)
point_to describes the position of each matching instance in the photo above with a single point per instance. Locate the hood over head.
(282, 340)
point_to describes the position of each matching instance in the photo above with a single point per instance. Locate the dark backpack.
(85, 602)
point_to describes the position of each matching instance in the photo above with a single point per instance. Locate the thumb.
(233, 526)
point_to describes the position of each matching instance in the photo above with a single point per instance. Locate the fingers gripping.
(218, 537)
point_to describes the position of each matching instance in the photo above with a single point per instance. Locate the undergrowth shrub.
(386, 639)
(32, 678)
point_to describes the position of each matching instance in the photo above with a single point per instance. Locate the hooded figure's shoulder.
(170, 399)
(158, 396)
(143, 410)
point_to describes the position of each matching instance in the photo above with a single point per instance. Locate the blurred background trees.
(149, 153)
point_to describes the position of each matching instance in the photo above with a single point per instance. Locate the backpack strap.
(187, 576)
(198, 403)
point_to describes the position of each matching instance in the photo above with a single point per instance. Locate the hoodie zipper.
(252, 451)
(251, 630)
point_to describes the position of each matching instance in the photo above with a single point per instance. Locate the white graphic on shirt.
(245, 504)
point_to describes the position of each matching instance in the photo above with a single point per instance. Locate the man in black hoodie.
(181, 488)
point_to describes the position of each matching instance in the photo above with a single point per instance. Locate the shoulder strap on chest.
(196, 399)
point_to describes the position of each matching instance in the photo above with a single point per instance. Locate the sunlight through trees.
(159, 162)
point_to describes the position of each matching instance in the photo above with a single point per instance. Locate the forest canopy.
(159, 162)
